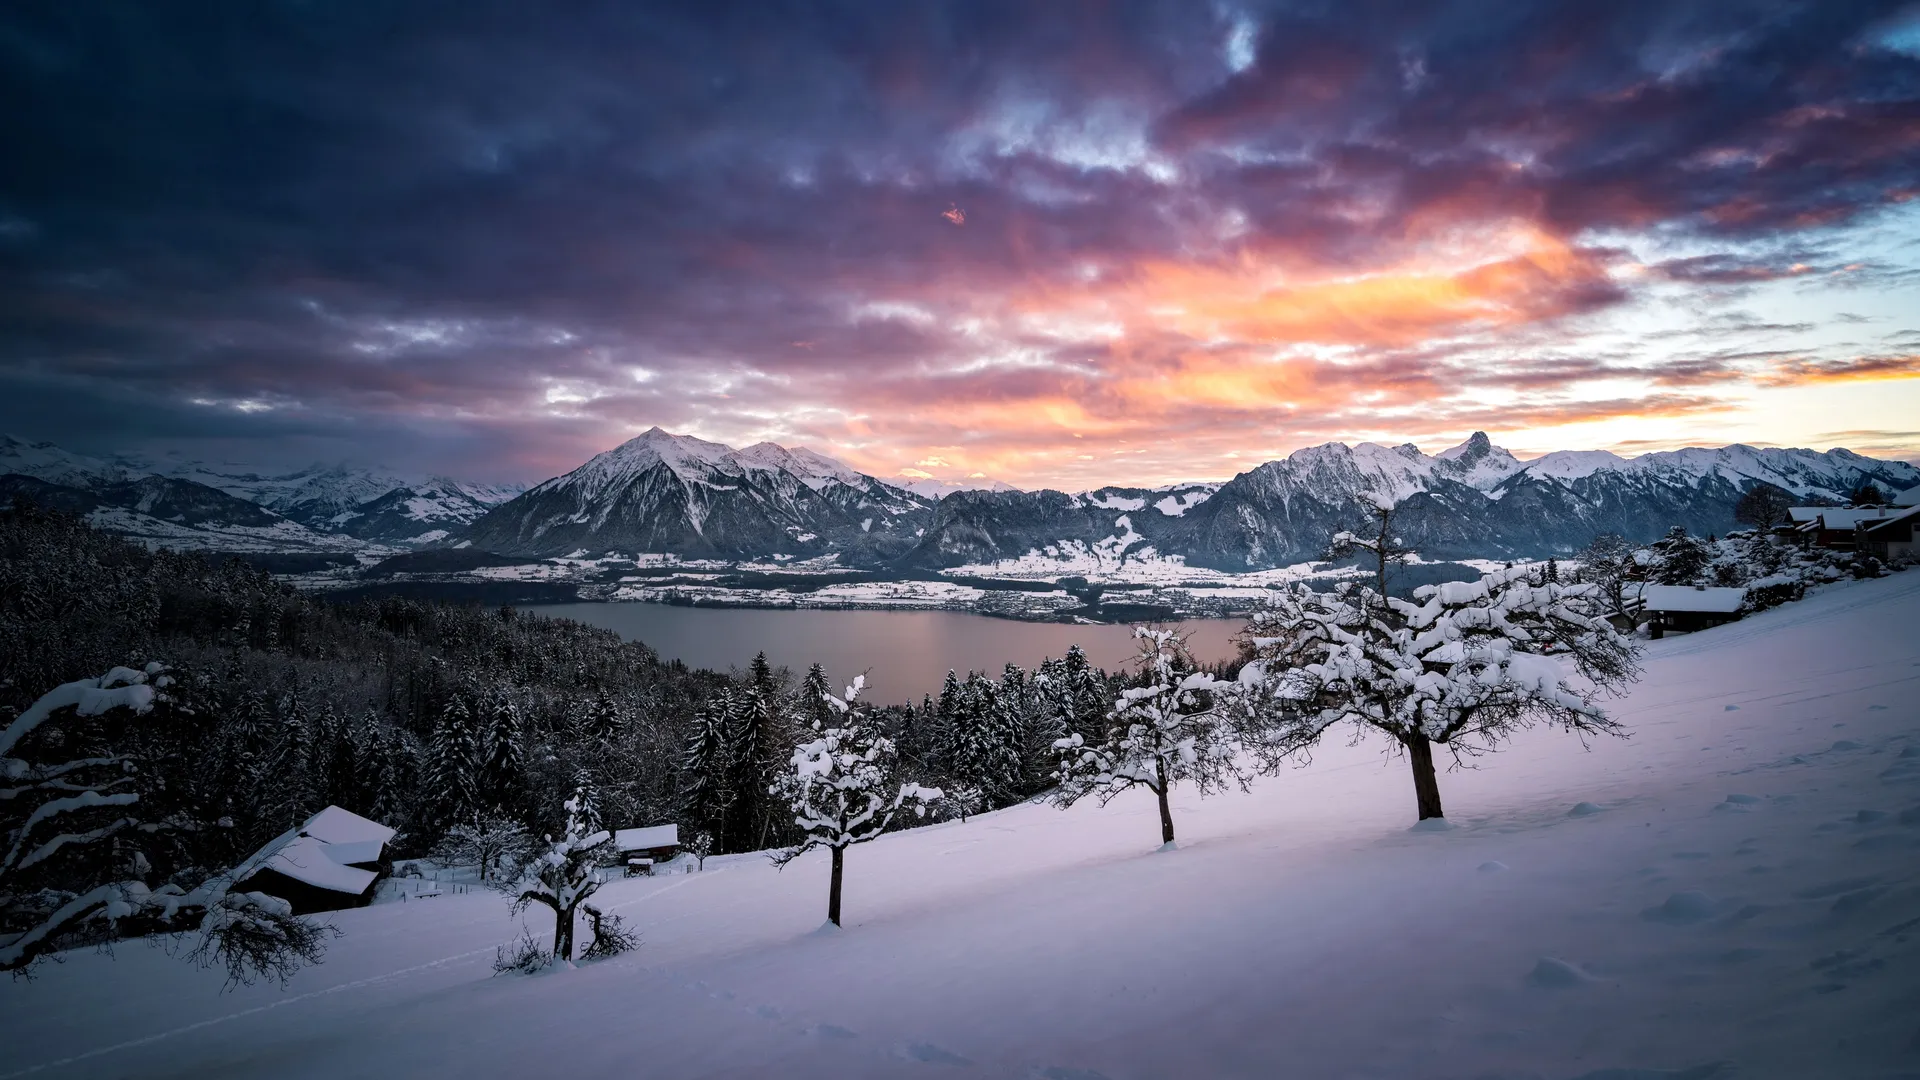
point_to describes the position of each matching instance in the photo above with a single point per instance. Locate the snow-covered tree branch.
(61, 819)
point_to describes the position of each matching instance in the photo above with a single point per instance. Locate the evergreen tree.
(503, 765)
(453, 765)
(706, 796)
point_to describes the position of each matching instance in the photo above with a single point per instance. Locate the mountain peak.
(1476, 447)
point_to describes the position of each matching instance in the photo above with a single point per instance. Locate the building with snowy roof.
(1838, 527)
(641, 848)
(330, 862)
(1909, 497)
(1891, 537)
(1690, 607)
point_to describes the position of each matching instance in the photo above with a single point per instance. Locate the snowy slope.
(1741, 905)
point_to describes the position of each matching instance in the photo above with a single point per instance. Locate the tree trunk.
(1166, 812)
(563, 935)
(833, 889)
(1426, 785)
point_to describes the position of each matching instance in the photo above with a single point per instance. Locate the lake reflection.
(905, 653)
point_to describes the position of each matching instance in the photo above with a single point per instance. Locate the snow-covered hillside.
(1733, 892)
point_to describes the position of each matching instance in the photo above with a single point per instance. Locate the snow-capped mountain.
(169, 512)
(661, 492)
(45, 461)
(1473, 500)
(415, 514)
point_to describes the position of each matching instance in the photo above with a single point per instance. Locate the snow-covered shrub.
(522, 957)
(842, 786)
(611, 935)
(496, 844)
(62, 820)
(1465, 665)
(562, 878)
(1172, 727)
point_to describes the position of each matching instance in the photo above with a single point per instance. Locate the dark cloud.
(497, 236)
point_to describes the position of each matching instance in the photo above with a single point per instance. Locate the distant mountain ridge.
(235, 507)
(662, 492)
(667, 493)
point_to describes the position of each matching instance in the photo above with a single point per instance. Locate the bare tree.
(1172, 727)
(1465, 665)
(842, 788)
(561, 878)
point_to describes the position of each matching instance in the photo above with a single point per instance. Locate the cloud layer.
(1064, 243)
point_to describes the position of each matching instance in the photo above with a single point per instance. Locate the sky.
(1063, 244)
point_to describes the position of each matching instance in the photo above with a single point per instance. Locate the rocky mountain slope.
(661, 492)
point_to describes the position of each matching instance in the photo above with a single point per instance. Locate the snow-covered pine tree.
(841, 786)
(705, 794)
(1465, 665)
(753, 742)
(453, 764)
(1679, 558)
(561, 878)
(503, 769)
(602, 724)
(61, 819)
(1171, 727)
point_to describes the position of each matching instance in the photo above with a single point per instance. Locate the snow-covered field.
(1741, 898)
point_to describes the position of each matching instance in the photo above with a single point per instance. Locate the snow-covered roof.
(1898, 515)
(1839, 517)
(318, 863)
(1909, 497)
(1805, 514)
(337, 826)
(653, 836)
(1693, 598)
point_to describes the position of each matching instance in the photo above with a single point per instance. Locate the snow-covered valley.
(1731, 892)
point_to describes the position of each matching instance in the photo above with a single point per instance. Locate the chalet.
(1837, 527)
(330, 862)
(640, 849)
(1689, 607)
(1892, 537)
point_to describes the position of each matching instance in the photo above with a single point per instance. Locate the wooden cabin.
(641, 849)
(1689, 607)
(330, 862)
(1838, 527)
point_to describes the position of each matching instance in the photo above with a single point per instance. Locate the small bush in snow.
(522, 957)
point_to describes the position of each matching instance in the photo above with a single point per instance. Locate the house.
(330, 862)
(1837, 527)
(1891, 537)
(640, 848)
(1690, 607)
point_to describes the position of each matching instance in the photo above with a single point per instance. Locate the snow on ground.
(1733, 892)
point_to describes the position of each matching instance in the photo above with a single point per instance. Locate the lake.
(905, 653)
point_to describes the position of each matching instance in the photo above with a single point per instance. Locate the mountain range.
(668, 493)
(662, 492)
(192, 503)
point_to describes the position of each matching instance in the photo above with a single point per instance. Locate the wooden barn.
(1689, 607)
(330, 862)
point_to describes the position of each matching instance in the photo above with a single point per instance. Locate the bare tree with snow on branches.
(1172, 727)
(1465, 665)
(842, 787)
(561, 878)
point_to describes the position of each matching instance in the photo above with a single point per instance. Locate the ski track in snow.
(1645, 911)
